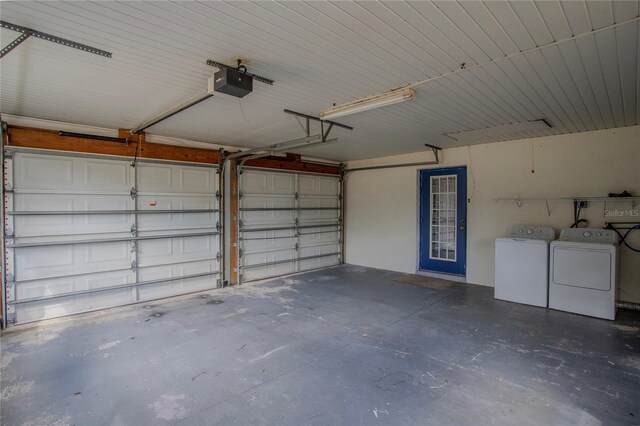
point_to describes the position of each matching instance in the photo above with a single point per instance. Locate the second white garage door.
(289, 222)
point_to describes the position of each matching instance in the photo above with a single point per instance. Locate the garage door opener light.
(365, 104)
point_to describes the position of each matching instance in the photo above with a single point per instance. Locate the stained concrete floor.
(345, 345)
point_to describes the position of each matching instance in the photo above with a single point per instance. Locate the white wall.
(381, 205)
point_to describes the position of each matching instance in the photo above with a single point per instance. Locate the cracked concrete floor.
(346, 345)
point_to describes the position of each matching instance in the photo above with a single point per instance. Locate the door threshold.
(449, 277)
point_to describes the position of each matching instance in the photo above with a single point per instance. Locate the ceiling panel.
(472, 65)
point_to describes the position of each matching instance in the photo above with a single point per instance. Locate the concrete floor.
(345, 345)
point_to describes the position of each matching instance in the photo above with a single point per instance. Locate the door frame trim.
(435, 274)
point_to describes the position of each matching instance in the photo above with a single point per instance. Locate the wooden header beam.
(28, 137)
(292, 164)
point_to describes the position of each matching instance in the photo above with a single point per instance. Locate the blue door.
(443, 220)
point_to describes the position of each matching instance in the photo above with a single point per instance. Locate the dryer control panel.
(589, 235)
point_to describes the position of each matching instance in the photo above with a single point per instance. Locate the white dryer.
(583, 272)
(522, 265)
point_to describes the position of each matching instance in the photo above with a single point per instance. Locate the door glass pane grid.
(443, 218)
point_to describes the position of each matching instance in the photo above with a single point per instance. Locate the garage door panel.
(309, 205)
(318, 215)
(175, 285)
(263, 182)
(35, 172)
(42, 172)
(318, 185)
(274, 210)
(154, 178)
(50, 254)
(64, 202)
(269, 264)
(268, 240)
(177, 249)
(103, 174)
(197, 179)
(171, 178)
(319, 202)
(268, 201)
(42, 262)
(78, 225)
(321, 262)
(55, 286)
(322, 256)
(265, 218)
(316, 236)
(155, 221)
(36, 311)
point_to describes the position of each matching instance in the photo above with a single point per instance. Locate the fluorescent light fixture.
(365, 104)
(503, 130)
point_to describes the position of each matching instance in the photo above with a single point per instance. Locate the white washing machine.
(583, 272)
(522, 265)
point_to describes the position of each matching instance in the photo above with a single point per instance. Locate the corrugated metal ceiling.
(320, 53)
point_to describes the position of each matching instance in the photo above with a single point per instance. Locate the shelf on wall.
(619, 199)
(521, 201)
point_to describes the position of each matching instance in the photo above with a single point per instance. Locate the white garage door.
(91, 233)
(289, 222)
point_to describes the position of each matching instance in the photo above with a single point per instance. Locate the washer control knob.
(586, 234)
(529, 231)
(599, 234)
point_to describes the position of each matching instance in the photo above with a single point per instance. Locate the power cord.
(577, 219)
(624, 237)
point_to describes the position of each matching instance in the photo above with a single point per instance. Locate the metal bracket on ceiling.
(435, 150)
(28, 32)
(169, 114)
(14, 44)
(255, 77)
(307, 128)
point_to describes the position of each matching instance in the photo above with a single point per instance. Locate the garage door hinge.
(134, 244)
(8, 234)
(297, 246)
(134, 229)
(240, 223)
(218, 226)
(218, 256)
(239, 194)
(10, 280)
(296, 195)
(8, 190)
(218, 195)
(134, 265)
(239, 252)
(340, 197)
(133, 193)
